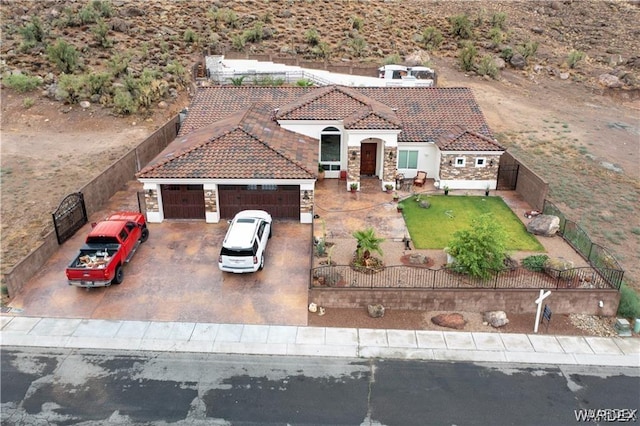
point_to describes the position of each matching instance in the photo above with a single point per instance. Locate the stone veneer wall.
(565, 301)
(306, 206)
(469, 171)
(353, 165)
(151, 200)
(390, 164)
(210, 205)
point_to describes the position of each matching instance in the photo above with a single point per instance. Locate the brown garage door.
(183, 201)
(281, 201)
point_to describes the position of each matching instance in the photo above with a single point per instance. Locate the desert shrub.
(103, 8)
(506, 53)
(88, 15)
(123, 102)
(358, 46)
(480, 249)
(535, 263)
(498, 20)
(312, 36)
(98, 83)
(268, 81)
(238, 42)
(34, 31)
(27, 103)
(118, 64)
(254, 34)
(304, 83)
(574, 57)
(322, 50)
(487, 66)
(461, 26)
(64, 56)
(431, 38)
(100, 32)
(190, 36)
(528, 49)
(467, 56)
(68, 18)
(228, 17)
(496, 36)
(71, 88)
(629, 306)
(356, 22)
(392, 59)
(237, 81)
(21, 82)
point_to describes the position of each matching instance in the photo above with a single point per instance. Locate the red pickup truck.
(110, 244)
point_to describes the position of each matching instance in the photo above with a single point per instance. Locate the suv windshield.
(237, 252)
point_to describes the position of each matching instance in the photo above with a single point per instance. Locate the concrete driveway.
(174, 277)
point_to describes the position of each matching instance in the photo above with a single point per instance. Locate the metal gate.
(70, 216)
(508, 177)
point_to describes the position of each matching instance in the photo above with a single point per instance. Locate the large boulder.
(455, 321)
(496, 318)
(376, 311)
(546, 225)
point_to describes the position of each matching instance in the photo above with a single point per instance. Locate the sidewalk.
(318, 341)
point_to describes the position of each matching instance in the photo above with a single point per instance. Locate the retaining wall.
(565, 301)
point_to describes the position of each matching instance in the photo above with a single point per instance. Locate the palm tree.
(367, 243)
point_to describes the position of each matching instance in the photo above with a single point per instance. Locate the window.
(459, 162)
(330, 145)
(481, 162)
(123, 235)
(407, 159)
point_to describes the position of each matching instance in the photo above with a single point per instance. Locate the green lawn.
(433, 228)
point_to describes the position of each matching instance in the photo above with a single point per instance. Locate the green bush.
(574, 57)
(100, 32)
(255, 33)
(312, 36)
(467, 57)
(304, 83)
(498, 20)
(322, 50)
(124, 103)
(238, 42)
(487, 66)
(432, 38)
(103, 8)
(190, 36)
(506, 53)
(98, 83)
(461, 26)
(21, 83)
(535, 263)
(71, 88)
(528, 49)
(629, 306)
(28, 102)
(480, 249)
(88, 15)
(64, 55)
(358, 46)
(118, 64)
(496, 35)
(33, 31)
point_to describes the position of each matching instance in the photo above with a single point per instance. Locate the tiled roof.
(423, 113)
(249, 144)
(460, 139)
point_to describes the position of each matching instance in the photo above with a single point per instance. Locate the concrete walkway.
(318, 341)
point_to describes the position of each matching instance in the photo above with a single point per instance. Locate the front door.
(368, 159)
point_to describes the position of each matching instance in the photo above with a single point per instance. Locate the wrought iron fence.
(597, 256)
(403, 276)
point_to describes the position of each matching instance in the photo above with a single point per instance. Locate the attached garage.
(281, 201)
(183, 201)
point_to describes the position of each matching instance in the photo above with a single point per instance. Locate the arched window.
(330, 142)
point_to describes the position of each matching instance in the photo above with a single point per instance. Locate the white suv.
(245, 243)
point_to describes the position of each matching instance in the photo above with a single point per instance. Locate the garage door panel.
(183, 201)
(280, 201)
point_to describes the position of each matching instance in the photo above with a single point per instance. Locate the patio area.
(339, 213)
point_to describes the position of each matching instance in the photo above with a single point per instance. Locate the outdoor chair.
(420, 178)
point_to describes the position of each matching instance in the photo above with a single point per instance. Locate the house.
(243, 147)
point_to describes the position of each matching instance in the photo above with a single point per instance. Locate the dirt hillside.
(576, 126)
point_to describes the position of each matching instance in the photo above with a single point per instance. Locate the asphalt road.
(65, 387)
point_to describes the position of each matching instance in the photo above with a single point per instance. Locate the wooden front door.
(368, 159)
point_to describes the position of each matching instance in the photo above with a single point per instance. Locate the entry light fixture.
(305, 196)
(490, 163)
(450, 163)
(353, 154)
